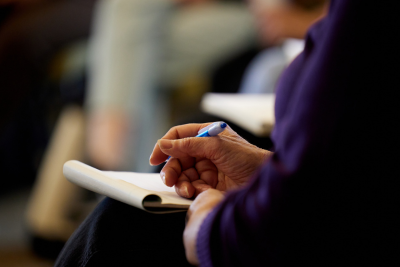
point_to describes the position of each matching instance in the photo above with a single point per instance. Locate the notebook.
(145, 191)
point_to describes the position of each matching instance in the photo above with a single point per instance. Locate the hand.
(198, 211)
(222, 162)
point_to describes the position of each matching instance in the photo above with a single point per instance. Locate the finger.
(196, 187)
(173, 169)
(177, 132)
(208, 172)
(191, 174)
(171, 172)
(198, 147)
(200, 186)
(184, 187)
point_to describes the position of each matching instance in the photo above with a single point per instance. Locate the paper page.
(151, 182)
(253, 112)
(122, 187)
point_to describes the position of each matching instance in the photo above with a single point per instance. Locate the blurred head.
(280, 19)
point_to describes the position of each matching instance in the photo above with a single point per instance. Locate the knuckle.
(186, 143)
(174, 130)
(214, 147)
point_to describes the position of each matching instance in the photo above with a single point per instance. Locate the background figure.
(280, 19)
(139, 49)
(31, 35)
(282, 25)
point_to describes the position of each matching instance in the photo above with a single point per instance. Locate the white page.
(253, 112)
(148, 181)
(128, 187)
(151, 182)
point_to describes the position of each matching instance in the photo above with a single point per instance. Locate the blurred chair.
(53, 197)
(56, 206)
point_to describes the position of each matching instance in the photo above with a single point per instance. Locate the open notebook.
(143, 190)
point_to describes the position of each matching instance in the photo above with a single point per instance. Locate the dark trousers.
(116, 234)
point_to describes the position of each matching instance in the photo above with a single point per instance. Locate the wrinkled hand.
(198, 211)
(222, 162)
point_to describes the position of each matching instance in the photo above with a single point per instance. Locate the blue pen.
(211, 130)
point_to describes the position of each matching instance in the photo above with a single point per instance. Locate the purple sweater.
(327, 195)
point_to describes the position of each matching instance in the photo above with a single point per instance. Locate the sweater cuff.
(203, 244)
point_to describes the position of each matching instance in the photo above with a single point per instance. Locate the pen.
(211, 130)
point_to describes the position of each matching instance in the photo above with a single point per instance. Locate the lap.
(116, 234)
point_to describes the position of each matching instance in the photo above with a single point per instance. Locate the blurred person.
(139, 51)
(31, 34)
(281, 26)
(278, 20)
(326, 196)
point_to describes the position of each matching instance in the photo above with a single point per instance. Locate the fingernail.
(152, 156)
(165, 144)
(162, 177)
(184, 191)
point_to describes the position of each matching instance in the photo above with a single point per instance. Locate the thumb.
(203, 147)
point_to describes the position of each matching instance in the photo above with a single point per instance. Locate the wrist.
(265, 155)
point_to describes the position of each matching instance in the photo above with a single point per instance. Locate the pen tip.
(223, 125)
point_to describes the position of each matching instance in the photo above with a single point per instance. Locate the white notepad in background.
(143, 190)
(252, 112)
